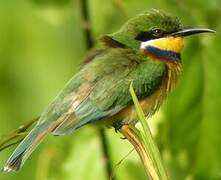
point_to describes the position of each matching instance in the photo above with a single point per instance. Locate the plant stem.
(106, 153)
(86, 24)
(15, 136)
(153, 160)
(89, 44)
(133, 137)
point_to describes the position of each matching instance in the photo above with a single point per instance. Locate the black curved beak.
(192, 31)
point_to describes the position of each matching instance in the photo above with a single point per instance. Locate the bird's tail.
(27, 146)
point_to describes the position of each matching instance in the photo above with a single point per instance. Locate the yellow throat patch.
(174, 44)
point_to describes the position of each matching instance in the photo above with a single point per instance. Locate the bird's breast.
(149, 104)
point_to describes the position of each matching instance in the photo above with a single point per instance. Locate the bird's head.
(156, 34)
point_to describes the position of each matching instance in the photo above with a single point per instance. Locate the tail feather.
(27, 146)
(15, 163)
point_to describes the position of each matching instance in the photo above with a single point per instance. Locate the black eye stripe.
(144, 36)
(148, 35)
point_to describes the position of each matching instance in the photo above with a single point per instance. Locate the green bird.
(145, 52)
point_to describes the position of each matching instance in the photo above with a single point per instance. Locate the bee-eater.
(145, 51)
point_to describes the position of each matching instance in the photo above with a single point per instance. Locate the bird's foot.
(123, 138)
(117, 127)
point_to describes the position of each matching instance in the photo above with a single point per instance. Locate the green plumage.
(105, 88)
(101, 87)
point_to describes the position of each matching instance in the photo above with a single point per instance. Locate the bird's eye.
(157, 32)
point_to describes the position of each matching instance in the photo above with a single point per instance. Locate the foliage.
(40, 49)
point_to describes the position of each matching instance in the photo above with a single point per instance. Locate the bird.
(145, 51)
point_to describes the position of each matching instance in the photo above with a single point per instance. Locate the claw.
(123, 138)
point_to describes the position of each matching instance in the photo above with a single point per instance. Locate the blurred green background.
(41, 47)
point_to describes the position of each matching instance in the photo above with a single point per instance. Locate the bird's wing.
(101, 89)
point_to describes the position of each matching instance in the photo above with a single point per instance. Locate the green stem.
(106, 153)
(15, 136)
(149, 145)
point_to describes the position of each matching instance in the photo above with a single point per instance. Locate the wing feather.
(101, 89)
